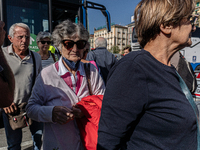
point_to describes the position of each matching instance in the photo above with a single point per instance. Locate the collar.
(11, 52)
(100, 48)
(63, 70)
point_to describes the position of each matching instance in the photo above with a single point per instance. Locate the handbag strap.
(34, 71)
(53, 56)
(87, 72)
(188, 95)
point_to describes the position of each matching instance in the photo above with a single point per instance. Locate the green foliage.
(114, 49)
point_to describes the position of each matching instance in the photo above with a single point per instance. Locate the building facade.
(91, 40)
(197, 11)
(118, 36)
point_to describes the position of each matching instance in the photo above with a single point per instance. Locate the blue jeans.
(14, 137)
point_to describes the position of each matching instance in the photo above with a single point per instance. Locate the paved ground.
(26, 141)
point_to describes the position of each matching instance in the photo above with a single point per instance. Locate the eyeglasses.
(69, 44)
(193, 19)
(21, 37)
(48, 42)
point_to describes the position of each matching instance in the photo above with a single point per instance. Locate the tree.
(114, 49)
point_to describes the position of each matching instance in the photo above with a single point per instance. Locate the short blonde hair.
(150, 14)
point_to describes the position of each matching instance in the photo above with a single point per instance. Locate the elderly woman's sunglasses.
(69, 44)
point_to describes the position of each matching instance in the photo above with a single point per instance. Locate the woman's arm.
(7, 82)
(35, 108)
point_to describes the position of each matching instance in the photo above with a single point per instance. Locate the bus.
(192, 53)
(135, 46)
(44, 15)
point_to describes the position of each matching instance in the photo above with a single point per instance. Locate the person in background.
(102, 57)
(54, 50)
(7, 81)
(43, 40)
(85, 52)
(127, 50)
(153, 109)
(60, 86)
(20, 59)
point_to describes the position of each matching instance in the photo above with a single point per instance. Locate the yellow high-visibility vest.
(52, 49)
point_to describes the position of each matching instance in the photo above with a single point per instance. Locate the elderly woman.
(144, 106)
(61, 86)
(43, 40)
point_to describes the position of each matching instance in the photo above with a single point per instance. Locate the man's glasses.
(48, 42)
(69, 44)
(21, 37)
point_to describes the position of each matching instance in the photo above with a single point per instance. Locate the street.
(26, 140)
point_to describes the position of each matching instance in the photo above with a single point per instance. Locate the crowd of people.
(143, 101)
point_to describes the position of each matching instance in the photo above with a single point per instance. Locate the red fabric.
(88, 125)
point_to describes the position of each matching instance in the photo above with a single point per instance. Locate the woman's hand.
(77, 112)
(62, 115)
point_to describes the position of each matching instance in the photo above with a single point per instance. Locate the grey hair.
(12, 28)
(68, 29)
(101, 42)
(42, 35)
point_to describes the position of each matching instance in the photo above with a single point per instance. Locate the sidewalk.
(26, 140)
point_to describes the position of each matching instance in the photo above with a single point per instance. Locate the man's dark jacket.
(104, 59)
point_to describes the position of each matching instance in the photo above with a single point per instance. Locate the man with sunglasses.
(25, 65)
(102, 57)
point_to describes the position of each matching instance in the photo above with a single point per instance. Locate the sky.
(120, 12)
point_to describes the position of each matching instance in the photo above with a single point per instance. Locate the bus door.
(63, 10)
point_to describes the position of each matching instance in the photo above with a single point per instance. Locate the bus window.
(34, 13)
